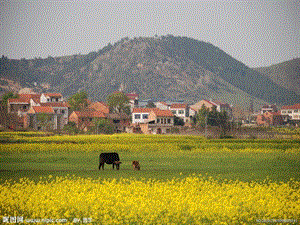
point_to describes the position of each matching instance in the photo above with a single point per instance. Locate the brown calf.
(136, 165)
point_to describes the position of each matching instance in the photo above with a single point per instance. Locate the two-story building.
(180, 110)
(270, 119)
(220, 106)
(51, 97)
(268, 108)
(133, 99)
(162, 105)
(85, 119)
(152, 120)
(21, 104)
(43, 118)
(292, 111)
(140, 115)
(25, 102)
(99, 106)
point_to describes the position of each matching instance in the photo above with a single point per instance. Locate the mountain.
(286, 74)
(160, 68)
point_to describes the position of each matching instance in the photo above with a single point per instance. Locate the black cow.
(109, 158)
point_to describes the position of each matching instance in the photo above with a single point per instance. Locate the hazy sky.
(257, 33)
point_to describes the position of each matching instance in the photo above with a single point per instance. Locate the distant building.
(25, 102)
(48, 121)
(119, 121)
(220, 106)
(99, 106)
(180, 110)
(140, 115)
(292, 111)
(151, 121)
(270, 119)
(268, 108)
(133, 99)
(162, 105)
(84, 120)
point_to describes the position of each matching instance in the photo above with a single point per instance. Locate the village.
(51, 112)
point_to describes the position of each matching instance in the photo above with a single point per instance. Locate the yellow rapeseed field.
(191, 200)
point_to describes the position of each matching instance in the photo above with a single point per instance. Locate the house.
(242, 116)
(152, 120)
(144, 103)
(85, 119)
(268, 108)
(180, 110)
(120, 121)
(270, 119)
(140, 115)
(192, 111)
(60, 108)
(162, 105)
(220, 106)
(99, 106)
(43, 118)
(292, 111)
(51, 97)
(24, 102)
(133, 99)
(160, 122)
(21, 104)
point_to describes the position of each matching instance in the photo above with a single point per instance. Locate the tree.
(213, 118)
(7, 96)
(44, 120)
(79, 101)
(178, 121)
(103, 126)
(71, 128)
(224, 123)
(118, 103)
(202, 116)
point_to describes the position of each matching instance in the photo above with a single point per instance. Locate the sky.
(257, 33)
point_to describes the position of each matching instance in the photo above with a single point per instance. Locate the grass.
(163, 157)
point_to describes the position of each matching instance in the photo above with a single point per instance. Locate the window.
(137, 116)
(169, 120)
(158, 120)
(180, 112)
(296, 110)
(284, 111)
(24, 107)
(290, 111)
(55, 111)
(56, 99)
(174, 111)
(145, 116)
(62, 111)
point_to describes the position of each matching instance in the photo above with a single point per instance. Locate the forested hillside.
(160, 68)
(286, 74)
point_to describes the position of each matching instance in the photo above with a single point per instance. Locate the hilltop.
(160, 68)
(286, 74)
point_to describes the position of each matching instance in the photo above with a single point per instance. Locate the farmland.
(183, 179)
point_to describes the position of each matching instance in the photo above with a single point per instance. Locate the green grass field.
(161, 157)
